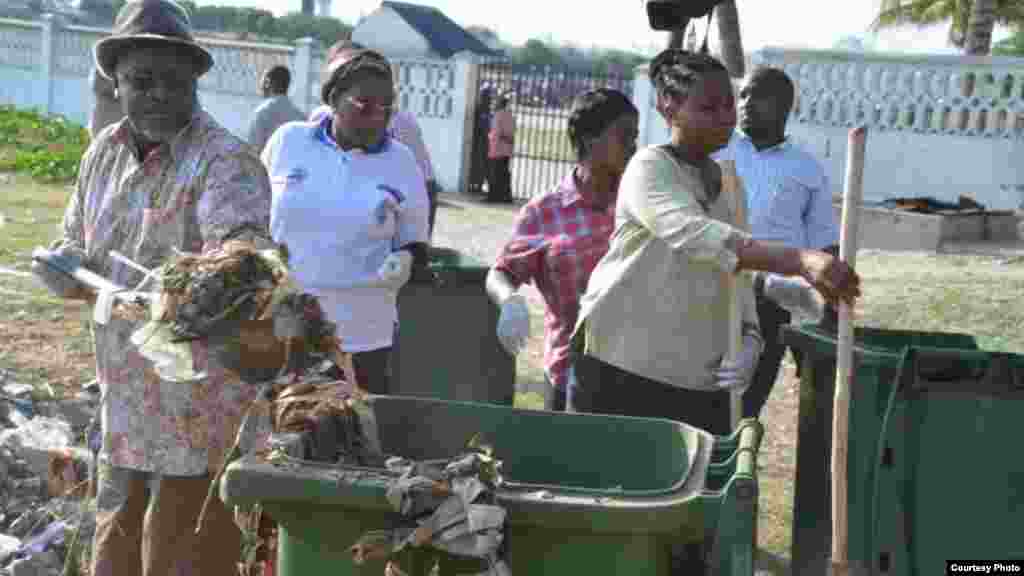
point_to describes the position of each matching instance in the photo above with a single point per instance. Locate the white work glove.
(514, 323)
(737, 374)
(795, 295)
(395, 271)
(57, 282)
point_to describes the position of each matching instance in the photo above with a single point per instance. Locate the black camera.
(673, 14)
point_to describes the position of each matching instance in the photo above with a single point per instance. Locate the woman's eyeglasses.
(368, 108)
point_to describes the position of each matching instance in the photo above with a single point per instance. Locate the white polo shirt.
(340, 214)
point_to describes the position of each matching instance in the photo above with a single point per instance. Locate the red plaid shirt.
(558, 241)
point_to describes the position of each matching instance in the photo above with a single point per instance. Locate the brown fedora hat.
(142, 21)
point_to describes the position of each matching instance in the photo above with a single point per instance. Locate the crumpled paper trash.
(453, 508)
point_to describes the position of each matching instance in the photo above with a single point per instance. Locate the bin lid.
(876, 346)
(453, 266)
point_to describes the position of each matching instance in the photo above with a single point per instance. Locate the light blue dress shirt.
(788, 196)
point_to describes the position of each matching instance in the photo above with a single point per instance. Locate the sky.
(623, 23)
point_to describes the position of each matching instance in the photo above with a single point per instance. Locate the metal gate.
(541, 100)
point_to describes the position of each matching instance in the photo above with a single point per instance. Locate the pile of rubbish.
(243, 303)
(930, 205)
(447, 506)
(46, 518)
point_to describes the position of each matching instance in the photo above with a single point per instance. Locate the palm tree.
(979, 30)
(730, 44)
(967, 18)
(675, 37)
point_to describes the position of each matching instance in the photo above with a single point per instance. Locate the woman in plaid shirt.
(560, 236)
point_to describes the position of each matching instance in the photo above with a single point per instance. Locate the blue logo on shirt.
(296, 175)
(398, 196)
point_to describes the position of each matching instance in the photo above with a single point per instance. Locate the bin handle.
(908, 374)
(750, 432)
(993, 373)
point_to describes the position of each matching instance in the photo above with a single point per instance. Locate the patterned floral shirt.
(185, 195)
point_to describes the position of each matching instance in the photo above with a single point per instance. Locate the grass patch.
(529, 400)
(30, 216)
(43, 340)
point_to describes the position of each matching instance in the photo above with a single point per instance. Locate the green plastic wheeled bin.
(950, 482)
(585, 494)
(447, 344)
(878, 355)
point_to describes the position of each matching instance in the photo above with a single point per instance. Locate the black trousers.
(771, 317)
(555, 399)
(499, 180)
(478, 165)
(432, 189)
(602, 388)
(373, 370)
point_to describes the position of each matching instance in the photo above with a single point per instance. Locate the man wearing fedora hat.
(165, 178)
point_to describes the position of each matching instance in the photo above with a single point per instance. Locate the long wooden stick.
(733, 187)
(852, 194)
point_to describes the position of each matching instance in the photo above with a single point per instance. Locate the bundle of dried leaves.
(238, 294)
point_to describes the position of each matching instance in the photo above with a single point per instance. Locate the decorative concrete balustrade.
(924, 95)
(20, 43)
(940, 126)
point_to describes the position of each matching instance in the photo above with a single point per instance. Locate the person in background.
(404, 128)
(654, 322)
(167, 178)
(479, 166)
(275, 110)
(560, 236)
(501, 142)
(106, 109)
(789, 202)
(350, 204)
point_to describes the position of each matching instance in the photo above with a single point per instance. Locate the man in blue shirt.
(789, 201)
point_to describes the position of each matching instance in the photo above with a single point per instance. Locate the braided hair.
(592, 113)
(674, 71)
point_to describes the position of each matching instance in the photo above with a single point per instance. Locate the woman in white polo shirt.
(351, 206)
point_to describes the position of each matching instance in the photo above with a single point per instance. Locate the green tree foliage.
(248, 23)
(957, 13)
(1012, 46)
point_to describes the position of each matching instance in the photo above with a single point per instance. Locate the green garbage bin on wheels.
(584, 494)
(447, 346)
(919, 455)
(950, 475)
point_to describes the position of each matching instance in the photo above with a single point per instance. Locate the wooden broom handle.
(733, 188)
(852, 193)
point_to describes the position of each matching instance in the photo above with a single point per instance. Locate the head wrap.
(340, 69)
